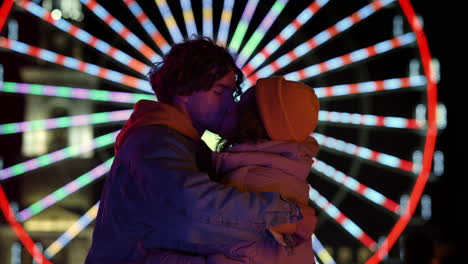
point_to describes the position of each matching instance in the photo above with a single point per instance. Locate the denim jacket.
(156, 197)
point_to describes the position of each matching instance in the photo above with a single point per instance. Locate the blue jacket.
(157, 197)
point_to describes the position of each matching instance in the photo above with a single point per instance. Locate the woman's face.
(231, 118)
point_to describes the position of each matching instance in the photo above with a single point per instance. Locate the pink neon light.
(49, 90)
(58, 155)
(48, 201)
(80, 120)
(80, 93)
(31, 164)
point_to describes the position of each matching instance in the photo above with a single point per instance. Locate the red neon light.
(430, 136)
(19, 230)
(4, 11)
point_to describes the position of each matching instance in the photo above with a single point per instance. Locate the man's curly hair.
(191, 66)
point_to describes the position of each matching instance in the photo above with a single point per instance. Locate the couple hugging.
(169, 199)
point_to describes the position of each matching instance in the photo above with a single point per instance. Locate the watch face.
(72, 71)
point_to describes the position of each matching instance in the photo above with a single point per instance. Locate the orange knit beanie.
(289, 109)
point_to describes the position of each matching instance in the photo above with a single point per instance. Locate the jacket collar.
(147, 112)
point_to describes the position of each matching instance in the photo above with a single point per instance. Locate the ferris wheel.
(368, 62)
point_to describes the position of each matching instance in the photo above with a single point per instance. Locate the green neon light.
(238, 36)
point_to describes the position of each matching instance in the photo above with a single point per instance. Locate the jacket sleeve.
(157, 256)
(183, 206)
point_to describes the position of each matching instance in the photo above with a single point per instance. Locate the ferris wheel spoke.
(75, 64)
(147, 25)
(360, 55)
(170, 21)
(85, 37)
(283, 36)
(189, 18)
(364, 153)
(66, 121)
(356, 187)
(59, 155)
(321, 252)
(72, 232)
(207, 12)
(242, 26)
(75, 93)
(369, 120)
(102, 14)
(321, 38)
(65, 191)
(225, 22)
(370, 86)
(260, 32)
(341, 219)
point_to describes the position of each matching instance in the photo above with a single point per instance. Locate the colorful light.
(332, 64)
(321, 252)
(369, 120)
(364, 153)
(75, 64)
(68, 121)
(242, 26)
(170, 21)
(225, 22)
(341, 219)
(353, 185)
(59, 155)
(189, 18)
(346, 89)
(85, 37)
(208, 18)
(72, 232)
(149, 27)
(283, 36)
(371, 86)
(260, 32)
(65, 191)
(75, 93)
(121, 30)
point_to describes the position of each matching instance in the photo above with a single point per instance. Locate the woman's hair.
(249, 127)
(192, 66)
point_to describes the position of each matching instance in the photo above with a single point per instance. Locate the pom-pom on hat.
(289, 109)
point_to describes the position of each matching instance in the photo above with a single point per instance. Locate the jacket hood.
(147, 112)
(290, 156)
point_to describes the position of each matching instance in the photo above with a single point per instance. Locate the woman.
(270, 150)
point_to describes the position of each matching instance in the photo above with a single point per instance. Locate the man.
(161, 192)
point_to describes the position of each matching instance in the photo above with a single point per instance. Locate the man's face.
(208, 108)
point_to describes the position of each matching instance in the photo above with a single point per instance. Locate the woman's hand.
(303, 229)
(306, 226)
